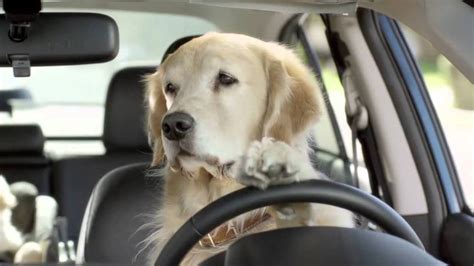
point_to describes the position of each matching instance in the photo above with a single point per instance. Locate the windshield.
(68, 101)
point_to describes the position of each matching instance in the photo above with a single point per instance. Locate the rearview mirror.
(60, 39)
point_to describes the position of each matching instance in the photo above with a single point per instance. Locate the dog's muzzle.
(177, 125)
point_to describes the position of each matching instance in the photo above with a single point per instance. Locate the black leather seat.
(121, 209)
(114, 225)
(22, 157)
(121, 206)
(125, 141)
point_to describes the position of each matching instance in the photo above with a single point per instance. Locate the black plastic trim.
(469, 2)
(430, 125)
(458, 240)
(410, 122)
(420, 223)
(374, 165)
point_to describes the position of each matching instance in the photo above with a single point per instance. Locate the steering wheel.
(247, 199)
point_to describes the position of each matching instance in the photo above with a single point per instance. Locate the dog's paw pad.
(268, 162)
(279, 170)
(275, 169)
(253, 181)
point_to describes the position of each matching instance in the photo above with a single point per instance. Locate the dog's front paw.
(269, 162)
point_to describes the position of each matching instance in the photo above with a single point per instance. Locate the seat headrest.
(176, 44)
(21, 139)
(124, 121)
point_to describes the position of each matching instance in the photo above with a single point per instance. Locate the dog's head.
(219, 92)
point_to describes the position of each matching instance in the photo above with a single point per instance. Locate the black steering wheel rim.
(316, 191)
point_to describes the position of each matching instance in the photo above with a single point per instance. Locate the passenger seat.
(22, 157)
(125, 141)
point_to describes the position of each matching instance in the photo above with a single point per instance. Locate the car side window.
(68, 102)
(333, 153)
(452, 95)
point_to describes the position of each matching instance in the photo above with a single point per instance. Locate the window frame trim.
(443, 194)
(430, 125)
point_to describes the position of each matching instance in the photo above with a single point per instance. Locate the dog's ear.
(156, 103)
(293, 103)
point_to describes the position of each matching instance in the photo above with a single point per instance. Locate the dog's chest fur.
(183, 197)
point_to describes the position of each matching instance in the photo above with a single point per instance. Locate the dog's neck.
(208, 182)
(204, 172)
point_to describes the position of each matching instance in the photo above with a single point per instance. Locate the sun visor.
(288, 6)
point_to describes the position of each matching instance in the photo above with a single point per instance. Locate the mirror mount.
(20, 14)
(21, 65)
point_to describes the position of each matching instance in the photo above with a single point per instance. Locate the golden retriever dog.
(228, 111)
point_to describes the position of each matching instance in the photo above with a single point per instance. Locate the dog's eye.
(226, 79)
(170, 88)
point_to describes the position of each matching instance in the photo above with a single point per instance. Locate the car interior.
(380, 141)
(125, 141)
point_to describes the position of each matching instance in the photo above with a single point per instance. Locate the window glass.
(453, 98)
(324, 133)
(69, 100)
(331, 154)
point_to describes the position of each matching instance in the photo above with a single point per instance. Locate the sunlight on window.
(453, 98)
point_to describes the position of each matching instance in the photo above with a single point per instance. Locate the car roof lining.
(443, 23)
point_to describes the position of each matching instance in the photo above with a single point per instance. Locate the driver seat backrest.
(114, 225)
(119, 210)
(124, 139)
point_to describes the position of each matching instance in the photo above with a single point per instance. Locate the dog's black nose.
(177, 125)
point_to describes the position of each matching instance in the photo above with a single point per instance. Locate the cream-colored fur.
(30, 252)
(252, 132)
(10, 238)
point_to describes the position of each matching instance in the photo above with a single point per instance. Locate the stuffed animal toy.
(10, 237)
(26, 222)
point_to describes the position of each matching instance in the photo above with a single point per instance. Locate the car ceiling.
(446, 24)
